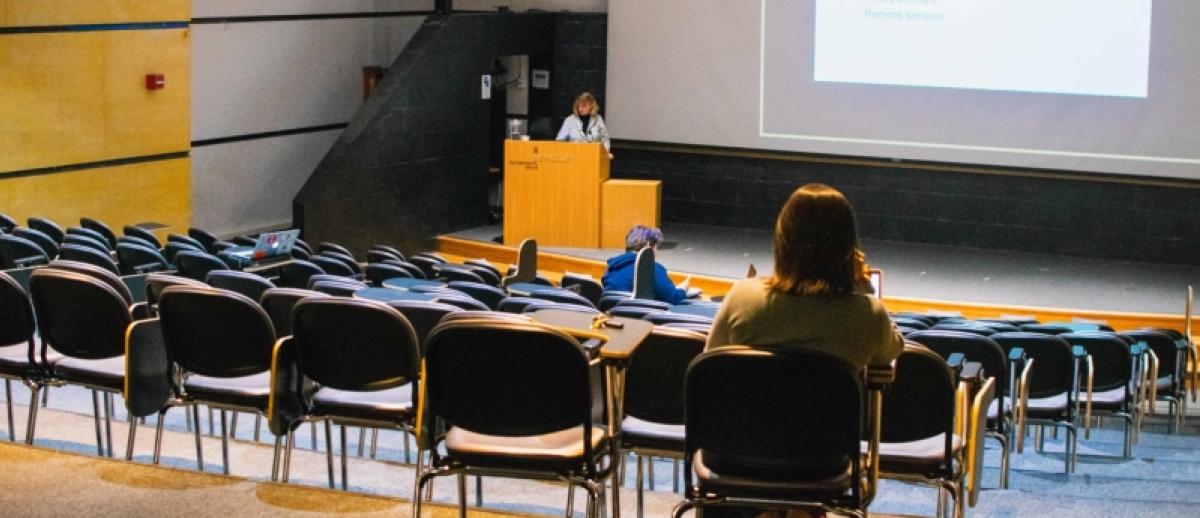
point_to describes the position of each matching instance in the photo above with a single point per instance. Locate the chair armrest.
(879, 376)
(1078, 351)
(286, 407)
(972, 372)
(956, 361)
(1016, 354)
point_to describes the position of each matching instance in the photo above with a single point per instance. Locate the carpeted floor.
(1163, 478)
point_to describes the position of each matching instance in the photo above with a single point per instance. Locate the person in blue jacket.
(619, 275)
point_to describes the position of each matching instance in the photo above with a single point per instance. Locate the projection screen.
(1107, 86)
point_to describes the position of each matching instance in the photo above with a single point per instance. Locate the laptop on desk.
(268, 244)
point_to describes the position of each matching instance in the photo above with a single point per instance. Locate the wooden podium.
(553, 193)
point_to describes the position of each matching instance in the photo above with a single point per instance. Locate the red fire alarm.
(155, 81)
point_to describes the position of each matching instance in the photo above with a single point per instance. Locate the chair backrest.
(157, 282)
(7, 224)
(296, 274)
(332, 266)
(643, 274)
(796, 411)
(999, 327)
(352, 344)
(99, 273)
(88, 241)
(562, 296)
(296, 253)
(1110, 357)
(461, 300)
(480, 265)
(920, 401)
(379, 272)
(426, 264)
(526, 267)
(378, 256)
(588, 287)
(214, 332)
(424, 316)
(975, 348)
(89, 255)
(101, 228)
(134, 259)
(340, 288)
(1046, 329)
(196, 265)
(966, 327)
(657, 368)
(327, 246)
(17, 326)
(79, 315)
(1164, 348)
(668, 317)
(1052, 361)
(204, 237)
(633, 311)
(489, 295)
(345, 259)
(18, 252)
(48, 244)
(141, 233)
(643, 303)
(136, 241)
(390, 250)
(180, 238)
(479, 377)
(912, 323)
(515, 304)
(279, 302)
(90, 234)
(248, 284)
(173, 249)
(547, 304)
(413, 270)
(47, 227)
(454, 272)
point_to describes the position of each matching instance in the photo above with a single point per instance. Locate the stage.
(924, 271)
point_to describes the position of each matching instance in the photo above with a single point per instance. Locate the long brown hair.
(816, 244)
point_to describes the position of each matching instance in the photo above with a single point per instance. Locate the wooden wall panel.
(134, 193)
(77, 97)
(25, 13)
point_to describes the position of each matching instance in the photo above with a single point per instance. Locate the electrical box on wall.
(541, 79)
(486, 87)
(156, 81)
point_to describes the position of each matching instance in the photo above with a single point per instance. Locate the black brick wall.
(580, 59)
(1087, 216)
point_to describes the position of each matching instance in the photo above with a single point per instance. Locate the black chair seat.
(1165, 384)
(1047, 406)
(14, 360)
(108, 373)
(556, 451)
(783, 485)
(638, 433)
(394, 404)
(910, 456)
(1113, 399)
(244, 391)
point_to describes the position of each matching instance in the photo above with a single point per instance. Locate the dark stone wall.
(1034, 211)
(413, 162)
(580, 59)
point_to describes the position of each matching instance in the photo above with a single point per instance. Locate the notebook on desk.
(268, 244)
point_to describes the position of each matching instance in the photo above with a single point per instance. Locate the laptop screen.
(271, 244)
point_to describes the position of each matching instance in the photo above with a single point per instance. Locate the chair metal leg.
(362, 441)
(46, 397)
(462, 495)
(31, 424)
(570, 500)
(650, 471)
(12, 432)
(421, 480)
(224, 445)
(96, 418)
(158, 433)
(375, 442)
(313, 435)
(276, 456)
(288, 444)
(417, 475)
(345, 471)
(108, 409)
(211, 422)
(329, 451)
(232, 424)
(1004, 453)
(675, 475)
(640, 491)
(478, 491)
(132, 434)
(257, 426)
(406, 458)
(196, 432)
